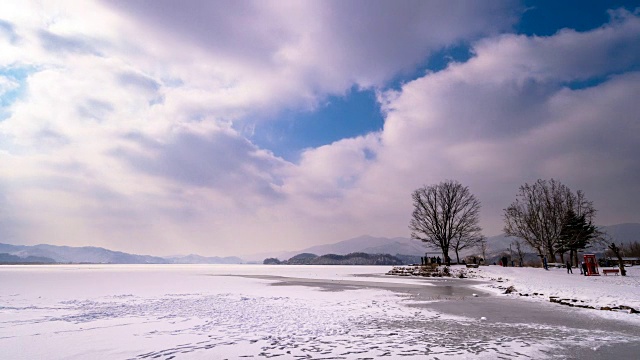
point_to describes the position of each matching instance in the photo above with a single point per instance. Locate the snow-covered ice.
(227, 311)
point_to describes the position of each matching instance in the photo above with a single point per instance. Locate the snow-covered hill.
(98, 255)
(85, 254)
(364, 244)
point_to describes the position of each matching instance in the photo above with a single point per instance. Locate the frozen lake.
(290, 312)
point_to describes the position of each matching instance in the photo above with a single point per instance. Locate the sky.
(237, 127)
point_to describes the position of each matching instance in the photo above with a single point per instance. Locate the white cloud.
(507, 117)
(287, 53)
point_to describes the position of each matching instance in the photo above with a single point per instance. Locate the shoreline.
(580, 292)
(604, 294)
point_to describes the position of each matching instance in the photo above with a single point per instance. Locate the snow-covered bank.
(595, 291)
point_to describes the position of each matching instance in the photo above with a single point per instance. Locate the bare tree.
(460, 243)
(444, 213)
(519, 251)
(540, 212)
(483, 249)
(632, 249)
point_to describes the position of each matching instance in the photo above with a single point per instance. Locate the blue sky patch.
(546, 17)
(356, 113)
(18, 75)
(438, 61)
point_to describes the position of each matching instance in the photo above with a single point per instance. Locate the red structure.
(591, 265)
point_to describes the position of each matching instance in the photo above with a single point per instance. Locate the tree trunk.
(571, 258)
(561, 258)
(541, 256)
(616, 251)
(623, 272)
(551, 257)
(447, 259)
(457, 256)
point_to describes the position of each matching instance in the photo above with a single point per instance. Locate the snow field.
(196, 311)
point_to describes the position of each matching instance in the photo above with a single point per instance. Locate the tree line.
(356, 258)
(547, 216)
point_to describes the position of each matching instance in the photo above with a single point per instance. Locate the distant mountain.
(271, 261)
(363, 244)
(7, 248)
(87, 254)
(98, 255)
(406, 249)
(197, 259)
(371, 245)
(301, 259)
(334, 259)
(496, 245)
(13, 259)
(623, 233)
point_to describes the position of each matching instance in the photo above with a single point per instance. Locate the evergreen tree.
(576, 235)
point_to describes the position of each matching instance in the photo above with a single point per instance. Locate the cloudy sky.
(235, 127)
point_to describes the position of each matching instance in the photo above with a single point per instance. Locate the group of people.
(582, 267)
(433, 260)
